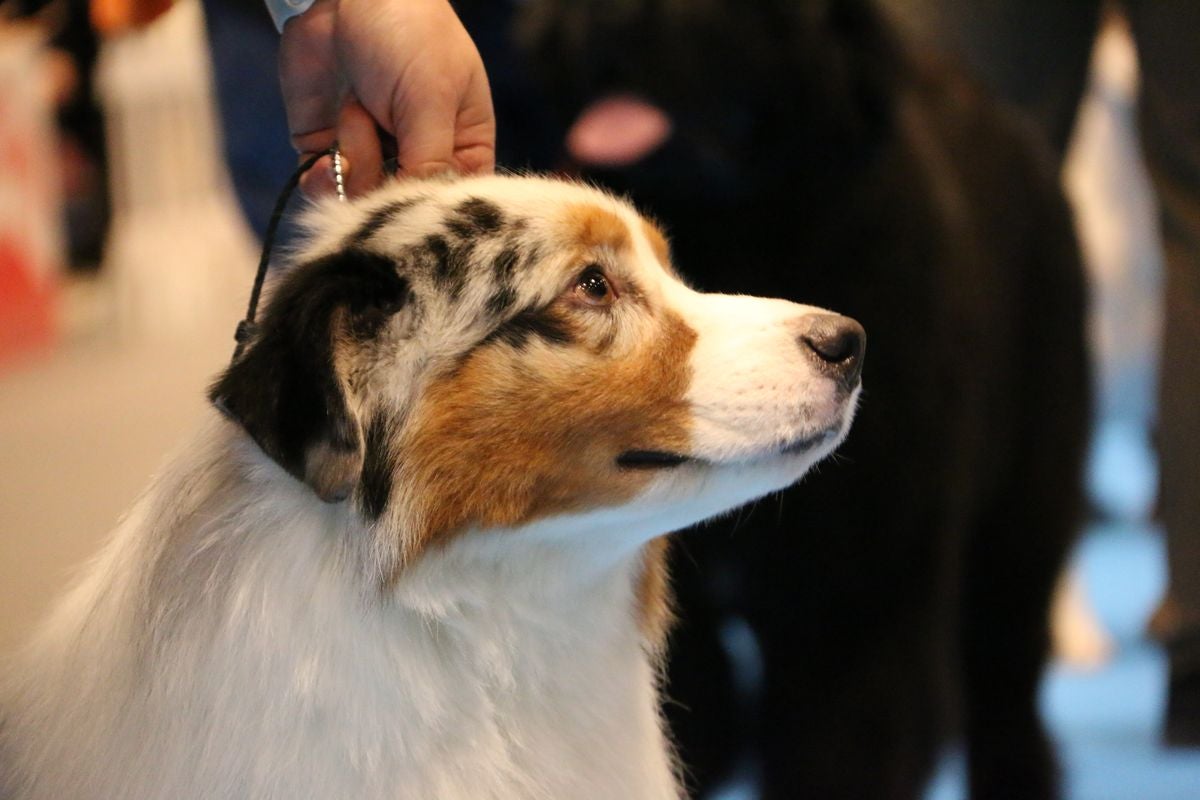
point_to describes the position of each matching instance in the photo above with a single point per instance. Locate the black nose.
(835, 344)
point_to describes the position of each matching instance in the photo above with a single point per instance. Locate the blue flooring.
(1107, 723)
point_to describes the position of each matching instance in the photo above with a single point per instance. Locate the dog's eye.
(594, 288)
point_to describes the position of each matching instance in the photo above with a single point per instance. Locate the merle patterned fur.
(379, 467)
(283, 389)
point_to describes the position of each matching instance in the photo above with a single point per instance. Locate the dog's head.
(752, 90)
(501, 352)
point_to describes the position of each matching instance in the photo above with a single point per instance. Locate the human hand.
(350, 68)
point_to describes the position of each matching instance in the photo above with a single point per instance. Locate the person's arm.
(407, 66)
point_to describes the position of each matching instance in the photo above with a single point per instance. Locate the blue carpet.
(1107, 723)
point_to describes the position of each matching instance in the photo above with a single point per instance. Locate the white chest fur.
(230, 650)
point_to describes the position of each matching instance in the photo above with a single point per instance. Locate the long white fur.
(230, 641)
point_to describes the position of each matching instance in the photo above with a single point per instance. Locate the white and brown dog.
(416, 554)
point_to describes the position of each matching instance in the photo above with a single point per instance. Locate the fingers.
(433, 146)
(309, 80)
(446, 132)
(475, 129)
(318, 181)
(440, 111)
(411, 67)
(308, 77)
(362, 157)
(424, 130)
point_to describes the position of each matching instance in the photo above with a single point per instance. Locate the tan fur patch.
(592, 226)
(658, 242)
(655, 605)
(514, 435)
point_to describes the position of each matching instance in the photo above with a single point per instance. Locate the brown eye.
(593, 288)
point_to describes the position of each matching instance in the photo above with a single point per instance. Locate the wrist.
(283, 10)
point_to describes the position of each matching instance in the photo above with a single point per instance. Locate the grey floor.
(81, 431)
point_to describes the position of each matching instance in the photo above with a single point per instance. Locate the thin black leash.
(246, 328)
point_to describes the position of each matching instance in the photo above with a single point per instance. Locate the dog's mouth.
(650, 459)
(663, 459)
(809, 442)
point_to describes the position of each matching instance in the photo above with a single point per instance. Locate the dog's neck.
(472, 676)
(547, 568)
(496, 571)
(587, 561)
(530, 639)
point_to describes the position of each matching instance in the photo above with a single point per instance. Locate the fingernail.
(430, 169)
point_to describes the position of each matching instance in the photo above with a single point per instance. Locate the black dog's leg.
(1014, 558)
(1005, 644)
(706, 716)
(1008, 585)
(859, 720)
(851, 617)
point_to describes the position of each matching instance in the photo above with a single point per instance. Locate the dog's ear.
(285, 390)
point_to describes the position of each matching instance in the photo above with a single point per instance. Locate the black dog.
(900, 596)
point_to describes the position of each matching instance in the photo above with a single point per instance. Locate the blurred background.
(127, 249)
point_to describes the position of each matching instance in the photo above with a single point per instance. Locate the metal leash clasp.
(338, 177)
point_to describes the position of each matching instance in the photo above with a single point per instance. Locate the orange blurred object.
(111, 17)
(31, 235)
(27, 318)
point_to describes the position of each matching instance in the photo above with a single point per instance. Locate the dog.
(417, 550)
(899, 601)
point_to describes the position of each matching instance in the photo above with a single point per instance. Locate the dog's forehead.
(479, 256)
(505, 218)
